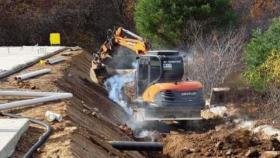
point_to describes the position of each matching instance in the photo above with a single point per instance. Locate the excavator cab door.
(148, 72)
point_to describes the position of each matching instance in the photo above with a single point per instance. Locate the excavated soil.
(224, 141)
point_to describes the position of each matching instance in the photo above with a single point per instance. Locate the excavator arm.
(125, 38)
(116, 37)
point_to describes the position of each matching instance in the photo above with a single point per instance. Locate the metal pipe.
(26, 93)
(35, 101)
(138, 146)
(32, 74)
(23, 66)
(55, 60)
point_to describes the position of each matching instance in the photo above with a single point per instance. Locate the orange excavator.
(161, 94)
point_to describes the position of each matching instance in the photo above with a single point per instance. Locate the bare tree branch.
(215, 56)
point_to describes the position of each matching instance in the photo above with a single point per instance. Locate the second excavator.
(161, 94)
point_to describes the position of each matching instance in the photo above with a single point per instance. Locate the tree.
(259, 52)
(214, 56)
(165, 20)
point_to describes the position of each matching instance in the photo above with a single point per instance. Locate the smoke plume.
(114, 86)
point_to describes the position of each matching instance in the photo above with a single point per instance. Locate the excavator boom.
(125, 38)
(117, 37)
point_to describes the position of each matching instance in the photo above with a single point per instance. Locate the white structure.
(10, 132)
(11, 57)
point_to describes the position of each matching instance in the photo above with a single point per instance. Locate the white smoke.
(152, 135)
(115, 85)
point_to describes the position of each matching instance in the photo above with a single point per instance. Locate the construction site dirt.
(91, 119)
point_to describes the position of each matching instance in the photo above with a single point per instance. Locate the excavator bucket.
(117, 54)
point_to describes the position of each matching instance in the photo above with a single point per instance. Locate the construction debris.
(124, 128)
(215, 112)
(51, 116)
(32, 74)
(265, 131)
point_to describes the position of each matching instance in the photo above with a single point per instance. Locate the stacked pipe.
(43, 97)
(55, 60)
(32, 74)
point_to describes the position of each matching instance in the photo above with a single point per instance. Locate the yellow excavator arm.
(117, 37)
(125, 38)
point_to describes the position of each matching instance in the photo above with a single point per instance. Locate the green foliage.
(165, 20)
(261, 45)
(265, 74)
(262, 57)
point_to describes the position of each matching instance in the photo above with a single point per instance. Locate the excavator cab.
(160, 89)
(158, 67)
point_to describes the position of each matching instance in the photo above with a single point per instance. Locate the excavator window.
(155, 68)
(142, 75)
(149, 71)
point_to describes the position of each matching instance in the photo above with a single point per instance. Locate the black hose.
(138, 146)
(41, 140)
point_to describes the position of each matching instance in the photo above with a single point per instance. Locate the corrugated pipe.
(23, 66)
(32, 74)
(55, 60)
(138, 146)
(35, 101)
(41, 140)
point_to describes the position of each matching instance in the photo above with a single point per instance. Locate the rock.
(86, 111)
(275, 144)
(219, 145)
(270, 154)
(93, 114)
(174, 132)
(96, 109)
(229, 152)
(252, 153)
(218, 128)
(193, 150)
(208, 154)
(187, 151)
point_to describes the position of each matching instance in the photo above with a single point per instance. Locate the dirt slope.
(94, 114)
(90, 119)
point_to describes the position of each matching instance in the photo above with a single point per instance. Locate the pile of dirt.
(222, 142)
